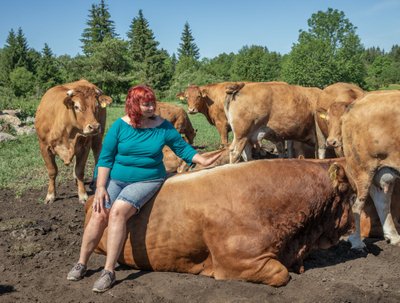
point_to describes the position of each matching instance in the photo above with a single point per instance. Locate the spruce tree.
(48, 72)
(188, 48)
(99, 27)
(148, 62)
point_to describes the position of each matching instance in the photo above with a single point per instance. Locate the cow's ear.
(181, 95)
(68, 99)
(203, 92)
(338, 176)
(104, 100)
(322, 114)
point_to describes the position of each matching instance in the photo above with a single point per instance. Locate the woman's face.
(148, 109)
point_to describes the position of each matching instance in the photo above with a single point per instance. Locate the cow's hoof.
(357, 244)
(395, 241)
(83, 198)
(49, 199)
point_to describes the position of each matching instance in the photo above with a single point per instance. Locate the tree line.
(328, 51)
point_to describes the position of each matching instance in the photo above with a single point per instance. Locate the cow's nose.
(331, 142)
(94, 126)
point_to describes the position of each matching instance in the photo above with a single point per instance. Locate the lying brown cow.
(178, 117)
(274, 111)
(251, 221)
(371, 145)
(69, 121)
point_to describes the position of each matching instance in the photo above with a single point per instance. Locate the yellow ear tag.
(181, 98)
(332, 172)
(103, 104)
(323, 116)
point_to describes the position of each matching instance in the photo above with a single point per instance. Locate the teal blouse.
(135, 154)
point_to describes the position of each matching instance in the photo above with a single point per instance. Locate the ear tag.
(323, 116)
(103, 104)
(181, 98)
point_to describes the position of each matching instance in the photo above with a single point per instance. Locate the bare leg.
(120, 213)
(92, 235)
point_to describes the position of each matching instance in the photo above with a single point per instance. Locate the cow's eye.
(76, 107)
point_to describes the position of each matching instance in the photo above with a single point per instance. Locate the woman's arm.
(199, 159)
(101, 194)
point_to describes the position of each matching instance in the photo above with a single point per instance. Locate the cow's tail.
(231, 91)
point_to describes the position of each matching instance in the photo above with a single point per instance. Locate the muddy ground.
(39, 244)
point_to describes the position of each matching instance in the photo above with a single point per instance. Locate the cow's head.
(85, 104)
(338, 219)
(194, 96)
(333, 118)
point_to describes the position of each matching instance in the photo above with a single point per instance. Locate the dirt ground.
(39, 244)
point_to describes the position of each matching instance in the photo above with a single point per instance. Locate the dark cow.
(69, 121)
(250, 221)
(371, 145)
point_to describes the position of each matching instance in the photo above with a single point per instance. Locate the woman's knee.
(121, 210)
(99, 219)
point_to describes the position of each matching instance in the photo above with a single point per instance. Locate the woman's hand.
(199, 159)
(100, 197)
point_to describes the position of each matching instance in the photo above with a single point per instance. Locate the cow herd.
(254, 220)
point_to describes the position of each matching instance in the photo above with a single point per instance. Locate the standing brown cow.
(209, 100)
(332, 103)
(274, 111)
(371, 145)
(69, 121)
(179, 119)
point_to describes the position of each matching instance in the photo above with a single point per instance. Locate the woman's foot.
(105, 282)
(77, 272)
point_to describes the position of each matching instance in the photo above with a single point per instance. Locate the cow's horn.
(70, 92)
(98, 91)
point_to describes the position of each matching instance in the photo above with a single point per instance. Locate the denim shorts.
(135, 193)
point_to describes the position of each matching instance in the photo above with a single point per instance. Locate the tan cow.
(274, 111)
(371, 145)
(333, 102)
(209, 100)
(251, 221)
(69, 121)
(178, 117)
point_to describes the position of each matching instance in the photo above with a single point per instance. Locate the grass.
(22, 167)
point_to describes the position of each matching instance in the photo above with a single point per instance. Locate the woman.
(130, 170)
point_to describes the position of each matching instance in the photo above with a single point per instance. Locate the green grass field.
(22, 167)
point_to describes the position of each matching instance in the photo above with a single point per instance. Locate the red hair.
(137, 94)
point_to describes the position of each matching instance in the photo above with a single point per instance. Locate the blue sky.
(218, 26)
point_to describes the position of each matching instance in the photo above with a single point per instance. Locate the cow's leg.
(382, 196)
(355, 238)
(236, 149)
(320, 142)
(52, 170)
(222, 129)
(79, 171)
(96, 148)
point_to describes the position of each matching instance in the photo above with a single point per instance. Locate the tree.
(148, 62)
(187, 47)
(22, 81)
(256, 63)
(220, 66)
(48, 72)
(16, 53)
(109, 66)
(99, 27)
(330, 51)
